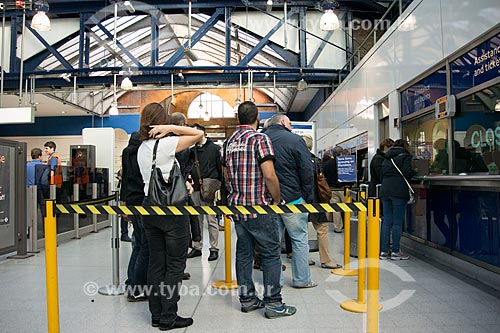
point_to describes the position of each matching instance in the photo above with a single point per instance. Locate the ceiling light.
(41, 21)
(329, 21)
(126, 84)
(302, 85)
(180, 75)
(497, 106)
(128, 5)
(206, 116)
(113, 110)
(269, 2)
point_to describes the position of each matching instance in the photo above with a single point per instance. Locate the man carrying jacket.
(296, 177)
(206, 155)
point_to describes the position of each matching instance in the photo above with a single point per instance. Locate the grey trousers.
(213, 226)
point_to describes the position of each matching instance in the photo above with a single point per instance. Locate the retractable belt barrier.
(84, 208)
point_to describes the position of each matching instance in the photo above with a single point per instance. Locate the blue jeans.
(264, 232)
(394, 213)
(139, 259)
(296, 226)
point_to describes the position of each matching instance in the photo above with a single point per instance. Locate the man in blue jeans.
(296, 178)
(247, 158)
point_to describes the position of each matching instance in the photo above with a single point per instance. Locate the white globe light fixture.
(329, 20)
(126, 84)
(41, 21)
(113, 110)
(497, 106)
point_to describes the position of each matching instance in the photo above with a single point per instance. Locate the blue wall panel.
(44, 126)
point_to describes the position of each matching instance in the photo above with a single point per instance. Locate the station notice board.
(346, 167)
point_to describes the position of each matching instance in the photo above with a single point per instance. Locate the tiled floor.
(417, 296)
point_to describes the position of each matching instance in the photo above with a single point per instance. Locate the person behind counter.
(395, 195)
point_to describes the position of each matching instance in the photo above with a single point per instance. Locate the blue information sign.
(346, 167)
(477, 66)
(423, 93)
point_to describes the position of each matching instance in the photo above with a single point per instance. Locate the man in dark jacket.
(132, 194)
(394, 194)
(207, 154)
(376, 166)
(330, 171)
(295, 174)
(183, 157)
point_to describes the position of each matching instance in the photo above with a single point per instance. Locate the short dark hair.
(178, 118)
(247, 113)
(50, 144)
(152, 114)
(388, 142)
(401, 143)
(200, 127)
(36, 153)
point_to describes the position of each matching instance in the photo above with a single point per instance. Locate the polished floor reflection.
(417, 296)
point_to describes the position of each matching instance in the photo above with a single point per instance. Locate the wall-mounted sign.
(477, 66)
(346, 167)
(423, 93)
(445, 107)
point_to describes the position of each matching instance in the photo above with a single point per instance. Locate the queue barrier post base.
(353, 305)
(112, 290)
(222, 284)
(345, 272)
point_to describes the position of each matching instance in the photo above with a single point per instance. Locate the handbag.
(322, 187)
(411, 192)
(172, 192)
(208, 186)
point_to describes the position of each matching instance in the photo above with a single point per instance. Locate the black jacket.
(331, 172)
(210, 167)
(292, 165)
(375, 172)
(393, 184)
(132, 187)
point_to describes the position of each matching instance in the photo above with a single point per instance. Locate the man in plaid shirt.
(248, 163)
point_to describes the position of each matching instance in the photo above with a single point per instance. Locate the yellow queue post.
(51, 267)
(346, 270)
(359, 304)
(228, 283)
(373, 265)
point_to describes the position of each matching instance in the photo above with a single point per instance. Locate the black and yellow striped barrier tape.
(92, 201)
(210, 210)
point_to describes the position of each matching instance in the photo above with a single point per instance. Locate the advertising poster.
(346, 166)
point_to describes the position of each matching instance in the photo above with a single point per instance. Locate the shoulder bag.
(322, 187)
(208, 186)
(166, 193)
(410, 189)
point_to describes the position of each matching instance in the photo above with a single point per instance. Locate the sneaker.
(194, 253)
(258, 304)
(399, 256)
(125, 238)
(179, 322)
(309, 285)
(280, 311)
(214, 255)
(137, 298)
(384, 256)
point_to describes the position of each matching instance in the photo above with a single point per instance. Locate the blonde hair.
(308, 140)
